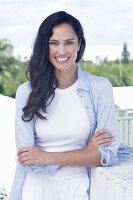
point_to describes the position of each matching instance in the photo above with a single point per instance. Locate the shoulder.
(24, 89)
(97, 82)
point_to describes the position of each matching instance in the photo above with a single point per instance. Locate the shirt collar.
(82, 79)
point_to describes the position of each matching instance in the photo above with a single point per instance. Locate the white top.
(66, 129)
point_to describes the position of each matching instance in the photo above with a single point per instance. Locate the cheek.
(51, 51)
(73, 51)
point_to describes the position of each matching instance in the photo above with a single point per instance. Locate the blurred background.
(108, 30)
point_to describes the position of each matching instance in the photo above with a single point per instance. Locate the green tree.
(12, 70)
(125, 55)
(118, 76)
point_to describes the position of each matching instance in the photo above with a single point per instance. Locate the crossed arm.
(106, 144)
(87, 157)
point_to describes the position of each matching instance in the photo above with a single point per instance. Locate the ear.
(79, 44)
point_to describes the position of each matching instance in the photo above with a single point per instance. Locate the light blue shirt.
(96, 97)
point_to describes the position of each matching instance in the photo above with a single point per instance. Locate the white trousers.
(43, 187)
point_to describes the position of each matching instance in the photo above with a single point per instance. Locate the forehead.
(63, 30)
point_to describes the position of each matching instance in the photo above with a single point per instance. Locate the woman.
(57, 112)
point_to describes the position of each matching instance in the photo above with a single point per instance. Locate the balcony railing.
(124, 119)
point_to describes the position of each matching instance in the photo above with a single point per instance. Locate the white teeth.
(62, 59)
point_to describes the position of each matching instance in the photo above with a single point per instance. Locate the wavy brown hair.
(41, 72)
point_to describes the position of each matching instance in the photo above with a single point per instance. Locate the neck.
(66, 77)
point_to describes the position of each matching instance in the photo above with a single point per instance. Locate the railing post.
(124, 119)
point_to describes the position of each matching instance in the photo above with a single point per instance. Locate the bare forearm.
(81, 158)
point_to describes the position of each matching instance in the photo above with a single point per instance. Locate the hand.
(99, 139)
(33, 156)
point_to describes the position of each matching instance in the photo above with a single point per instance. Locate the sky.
(107, 24)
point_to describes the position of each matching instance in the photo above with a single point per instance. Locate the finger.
(101, 131)
(105, 140)
(105, 136)
(105, 144)
(24, 149)
(27, 162)
(23, 154)
(21, 160)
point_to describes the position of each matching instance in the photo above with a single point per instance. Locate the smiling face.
(63, 47)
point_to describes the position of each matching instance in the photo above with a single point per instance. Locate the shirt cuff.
(108, 156)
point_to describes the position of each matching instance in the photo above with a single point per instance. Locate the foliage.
(125, 54)
(118, 75)
(12, 70)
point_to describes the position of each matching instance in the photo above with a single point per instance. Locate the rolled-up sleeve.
(25, 133)
(106, 120)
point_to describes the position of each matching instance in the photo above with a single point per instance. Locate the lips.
(59, 59)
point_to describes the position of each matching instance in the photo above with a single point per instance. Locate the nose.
(62, 50)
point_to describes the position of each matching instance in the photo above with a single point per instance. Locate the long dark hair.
(41, 72)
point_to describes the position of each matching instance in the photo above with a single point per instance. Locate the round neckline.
(68, 89)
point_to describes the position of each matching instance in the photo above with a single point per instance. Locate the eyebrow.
(65, 40)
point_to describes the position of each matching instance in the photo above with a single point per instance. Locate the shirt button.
(87, 107)
(104, 148)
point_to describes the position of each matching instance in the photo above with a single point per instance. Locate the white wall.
(123, 97)
(7, 141)
(115, 182)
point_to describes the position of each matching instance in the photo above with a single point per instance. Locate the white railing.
(124, 119)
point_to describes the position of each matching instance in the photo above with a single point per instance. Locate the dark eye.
(69, 42)
(53, 43)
